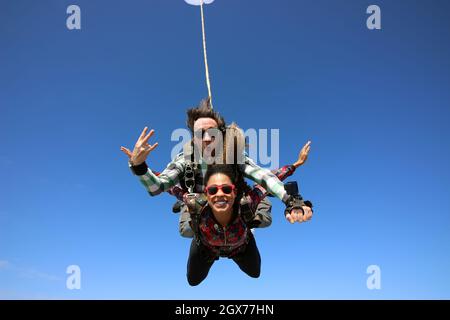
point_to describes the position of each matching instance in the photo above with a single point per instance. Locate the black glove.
(308, 204)
(293, 202)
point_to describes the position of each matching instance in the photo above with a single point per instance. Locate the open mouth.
(220, 203)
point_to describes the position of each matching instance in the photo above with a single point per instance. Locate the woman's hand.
(303, 155)
(141, 149)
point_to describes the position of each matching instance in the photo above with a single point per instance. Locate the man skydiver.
(200, 120)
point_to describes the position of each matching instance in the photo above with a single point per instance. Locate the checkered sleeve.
(265, 178)
(156, 184)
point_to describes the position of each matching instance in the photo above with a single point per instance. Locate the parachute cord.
(208, 83)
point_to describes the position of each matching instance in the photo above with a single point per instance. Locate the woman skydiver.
(220, 230)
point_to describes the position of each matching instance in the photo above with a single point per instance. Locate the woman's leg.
(198, 264)
(249, 260)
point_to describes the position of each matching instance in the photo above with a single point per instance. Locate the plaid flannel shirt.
(174, 172)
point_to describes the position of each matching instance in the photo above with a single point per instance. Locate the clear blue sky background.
(374, 103)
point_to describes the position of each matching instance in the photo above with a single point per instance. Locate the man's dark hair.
(204, 110)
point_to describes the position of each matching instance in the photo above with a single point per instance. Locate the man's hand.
(141, 149)
(297, 215)
(303, 155)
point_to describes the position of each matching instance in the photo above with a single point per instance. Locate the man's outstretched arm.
(156, 184)
(273, 185)
(153, 184)
(265, 178)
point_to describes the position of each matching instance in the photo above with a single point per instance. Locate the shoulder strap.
(189, 176)
(245, 210)
(196, 203)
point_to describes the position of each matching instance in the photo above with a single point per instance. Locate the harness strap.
(195, 203)
(189, 176)
(245, 210)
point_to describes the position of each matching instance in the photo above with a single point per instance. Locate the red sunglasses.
(226, 188)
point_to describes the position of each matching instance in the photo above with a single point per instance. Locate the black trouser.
(199, 261)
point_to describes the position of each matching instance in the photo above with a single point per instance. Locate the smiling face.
(221, 202)
(203, 139)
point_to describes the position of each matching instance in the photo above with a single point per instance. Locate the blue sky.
(376, 105)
